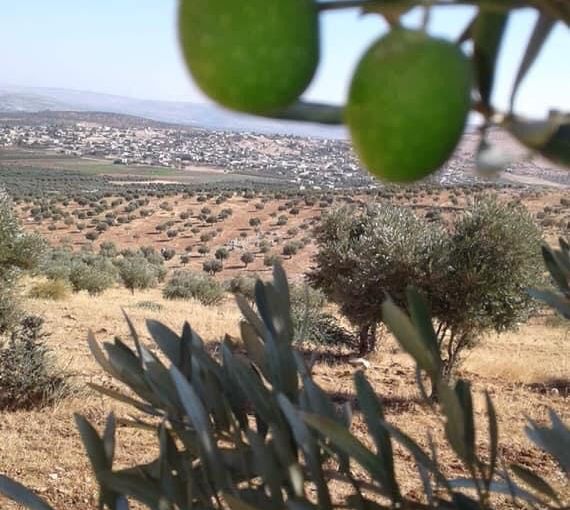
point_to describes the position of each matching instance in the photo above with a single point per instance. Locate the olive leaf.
(542, 28)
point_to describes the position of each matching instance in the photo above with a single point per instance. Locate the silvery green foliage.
(364, 254)
(18, 252)
(474, 274)
(29, 377)
(97, 272)
(558, 264)
(184, 284)
(253, 430)
(137, 273)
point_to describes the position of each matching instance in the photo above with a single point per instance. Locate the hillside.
(31, 99)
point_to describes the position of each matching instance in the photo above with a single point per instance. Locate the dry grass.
(42, 449)
(535, 354)
(526, 372)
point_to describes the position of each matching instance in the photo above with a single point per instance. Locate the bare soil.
(526, 372)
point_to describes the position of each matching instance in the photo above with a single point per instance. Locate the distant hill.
(66, 117)
(32, 99)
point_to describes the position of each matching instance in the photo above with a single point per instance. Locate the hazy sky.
(129, 47)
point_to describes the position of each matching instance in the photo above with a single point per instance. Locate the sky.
(130, 48)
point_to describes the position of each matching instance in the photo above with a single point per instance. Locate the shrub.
(244, 285)
(28, 376)
(152, 255)
(9, 305)
(264, 246)
(55, 290)
(302, 295)
(92, 235)
(108, 249)
(292, 444)
(189, 285)
(271, 259)
(289, 249)
(94, 277)
(150, 305)
(310, 322)
(203, 250)
(168, 253)
(18, 252)
(491, 259)
(138, 273)
(254, 222)
(56, 264)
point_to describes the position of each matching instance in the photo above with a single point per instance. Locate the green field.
(57, 166)
(48, 160)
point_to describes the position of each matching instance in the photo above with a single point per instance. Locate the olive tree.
(212, 266)
(247, 258)
(222, 254)
(18, 252)
(137, 273)
(365, 255)
(491, 258)
(92, 275)
(475, 276)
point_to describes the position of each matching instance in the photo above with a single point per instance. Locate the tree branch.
(318, 113)
(491, 5)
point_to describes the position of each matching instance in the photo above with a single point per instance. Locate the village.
(309, 162)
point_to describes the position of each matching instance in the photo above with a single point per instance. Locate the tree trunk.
(445, 378)
(367, 339)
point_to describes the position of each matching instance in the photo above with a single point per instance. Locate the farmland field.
(48, 161)
(526, 371)
(235, 230)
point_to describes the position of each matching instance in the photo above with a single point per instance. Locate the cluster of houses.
(309, 162)
(124, 146)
